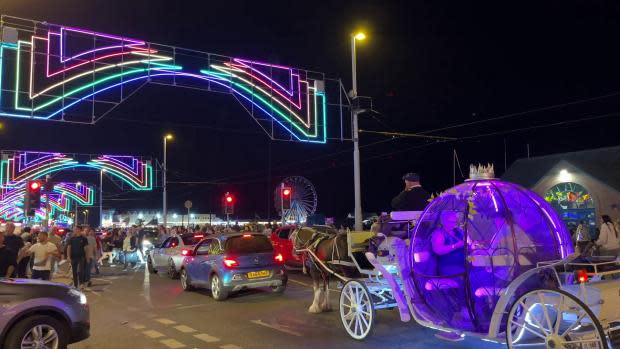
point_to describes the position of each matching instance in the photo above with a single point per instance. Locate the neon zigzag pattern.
(58, 75)
(23, 166)
(11, 205)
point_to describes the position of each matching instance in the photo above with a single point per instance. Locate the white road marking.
(206, 338)
(230, 346)
(191, 306)
(184, 329)
(165, 321)
(300, 283)
(276, 327)
(137, 326)
(153, 334)
(171, 343)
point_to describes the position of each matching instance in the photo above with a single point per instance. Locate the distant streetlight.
(167, 137)
(356, 142)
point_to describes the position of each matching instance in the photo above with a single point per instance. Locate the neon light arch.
(46, 74)
(23, 166)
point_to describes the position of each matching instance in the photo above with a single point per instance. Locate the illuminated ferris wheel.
(301, 203)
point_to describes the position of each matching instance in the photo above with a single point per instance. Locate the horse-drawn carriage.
(486, 258)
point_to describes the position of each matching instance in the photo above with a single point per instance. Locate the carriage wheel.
(553, 319)
(356, 309)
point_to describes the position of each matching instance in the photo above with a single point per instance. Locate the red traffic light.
(229, 199)
(286, 192)
(35, 185)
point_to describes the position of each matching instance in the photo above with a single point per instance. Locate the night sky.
(426, 64)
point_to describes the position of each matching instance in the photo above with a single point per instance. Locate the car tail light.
(186, 252)
(230, 262)
(582, 276)
(198, 236)
(279, 258)
(247, 235)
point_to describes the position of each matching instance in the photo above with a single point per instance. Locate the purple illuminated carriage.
(471, 242)
(487, 259)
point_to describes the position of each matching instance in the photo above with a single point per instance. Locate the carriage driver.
(413, 197)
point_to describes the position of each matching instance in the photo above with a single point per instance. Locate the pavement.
(135, 309)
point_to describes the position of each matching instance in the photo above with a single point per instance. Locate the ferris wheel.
(303, 199)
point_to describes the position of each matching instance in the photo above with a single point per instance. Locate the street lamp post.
(165, 203)
(101, 198)
(355, 111)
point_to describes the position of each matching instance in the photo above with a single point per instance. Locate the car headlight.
(79, 295)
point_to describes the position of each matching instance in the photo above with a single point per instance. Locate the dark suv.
(41, 314)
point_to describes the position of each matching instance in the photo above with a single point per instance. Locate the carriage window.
(174, 242)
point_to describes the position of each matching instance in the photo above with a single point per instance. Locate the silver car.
(169, 254)
(41, 314)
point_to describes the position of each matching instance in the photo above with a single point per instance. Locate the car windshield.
(190, 239)
(248, 244)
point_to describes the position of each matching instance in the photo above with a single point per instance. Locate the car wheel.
(31, 331)
(149, 265)
(279, 289)
(186, 283)
(218, 291)
(172, 270)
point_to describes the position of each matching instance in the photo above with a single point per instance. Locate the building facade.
(581, 186)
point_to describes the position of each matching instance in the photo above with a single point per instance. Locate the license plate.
(258, 274)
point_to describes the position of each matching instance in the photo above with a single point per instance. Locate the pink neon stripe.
(296, 104)
(138, 176)
(98, 59)
(245, 63)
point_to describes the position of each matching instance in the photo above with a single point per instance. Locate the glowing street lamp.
(359, 36)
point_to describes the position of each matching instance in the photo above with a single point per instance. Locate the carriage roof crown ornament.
(481, 172)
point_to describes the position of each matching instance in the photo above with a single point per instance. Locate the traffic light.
(286, 194)
(32, 199)
(228, 203)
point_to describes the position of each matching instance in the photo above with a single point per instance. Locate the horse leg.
(315, 308)
(325, 304)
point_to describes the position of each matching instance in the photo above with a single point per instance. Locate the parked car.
(42, 312)
(231, 262)
(169, 255)
(280, 238)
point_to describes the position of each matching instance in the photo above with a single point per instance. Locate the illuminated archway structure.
(11, 204)
(55, 72)
(18, 167)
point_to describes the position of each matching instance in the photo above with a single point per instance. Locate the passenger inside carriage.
(448, 245)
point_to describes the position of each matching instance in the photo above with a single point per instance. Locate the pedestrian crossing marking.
(165, 321)
(230, 346)
(205, 337)
(171, 343)
(137, 326)
(185, 329)
(153, 334)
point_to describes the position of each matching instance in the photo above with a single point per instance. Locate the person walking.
(57, 241)
(44, 252)
(129, 247)
(608, 239)
(76, 252)
(6, 259)
(14, 244)
(91, 250)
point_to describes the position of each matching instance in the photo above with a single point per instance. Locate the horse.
(328, 245)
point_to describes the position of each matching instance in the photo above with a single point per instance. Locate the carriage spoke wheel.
(356, 309)
(553, 319)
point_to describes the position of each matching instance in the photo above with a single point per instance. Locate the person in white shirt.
(608, 239)
(43, 252)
